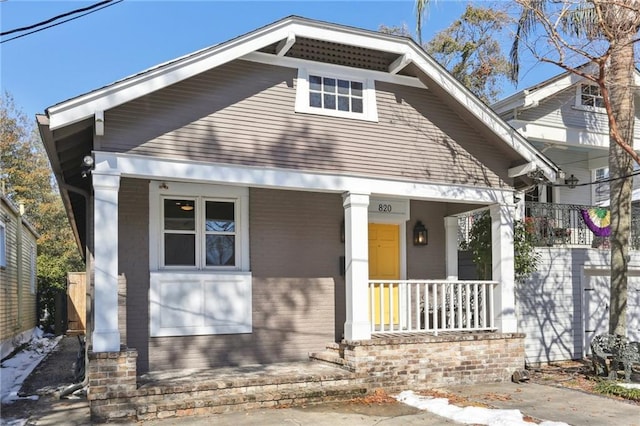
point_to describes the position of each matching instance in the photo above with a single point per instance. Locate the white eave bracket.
(99, 123)
(399, 64)
(522, 169)
(286, 44)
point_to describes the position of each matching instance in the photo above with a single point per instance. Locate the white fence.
(431, 305)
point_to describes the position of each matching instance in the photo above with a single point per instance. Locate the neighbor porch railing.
(553, 224)
(562, 224)
(431, 306)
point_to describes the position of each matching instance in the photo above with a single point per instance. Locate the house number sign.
(388, 207)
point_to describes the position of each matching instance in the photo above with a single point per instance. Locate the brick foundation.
(112, 384)
(394, 364)
(420, 362)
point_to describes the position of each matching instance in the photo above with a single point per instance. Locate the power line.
(599, 181)
(88, 10)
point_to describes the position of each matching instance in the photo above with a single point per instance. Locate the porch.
(343, 371)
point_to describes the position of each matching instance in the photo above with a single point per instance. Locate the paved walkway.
(538, 401)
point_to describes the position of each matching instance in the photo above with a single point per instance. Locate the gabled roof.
(373, 50)
(532, 96)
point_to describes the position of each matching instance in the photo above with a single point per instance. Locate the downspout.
(20, 265)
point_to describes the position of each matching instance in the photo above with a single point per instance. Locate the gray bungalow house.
(290, 191)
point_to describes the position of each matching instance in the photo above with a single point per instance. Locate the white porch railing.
(431, 305)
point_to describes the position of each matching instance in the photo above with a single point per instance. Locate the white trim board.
(263, 177)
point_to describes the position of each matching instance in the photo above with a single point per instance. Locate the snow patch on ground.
(629, 385)
(468, 415)
(15, 370)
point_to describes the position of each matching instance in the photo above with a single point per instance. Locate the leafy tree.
(468, 48)
(526, 258)
(601, 33)
(399, 30)
(25, 171)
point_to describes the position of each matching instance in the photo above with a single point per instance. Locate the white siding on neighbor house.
(550, 304)
(577, 164)
(560, 111)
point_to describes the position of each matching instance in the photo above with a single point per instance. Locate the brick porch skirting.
(394, 363)
(426, 361)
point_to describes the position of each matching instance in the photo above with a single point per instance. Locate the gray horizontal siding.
(243, 113)
(295, 249)
(291, 317)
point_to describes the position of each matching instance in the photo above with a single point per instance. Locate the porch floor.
(247, 375)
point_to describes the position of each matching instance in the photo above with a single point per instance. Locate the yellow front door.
(384, 265)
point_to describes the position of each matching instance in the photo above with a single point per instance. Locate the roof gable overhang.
(532, 96)
(282, 35)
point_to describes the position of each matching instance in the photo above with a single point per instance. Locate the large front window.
(200, 279)
(199, 232)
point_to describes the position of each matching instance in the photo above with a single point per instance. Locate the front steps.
(333, 355)
(187, 393)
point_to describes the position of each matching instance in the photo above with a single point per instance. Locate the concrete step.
(166, 395)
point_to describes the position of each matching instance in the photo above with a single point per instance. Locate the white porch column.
(106, 336)
(502, 217)
(451, 247)
(356, 226)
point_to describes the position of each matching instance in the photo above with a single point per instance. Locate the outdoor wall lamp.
(572, 181)
(87, 165)
(420, 236)
(342, 231)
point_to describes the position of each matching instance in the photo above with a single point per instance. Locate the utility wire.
(88, 10)
(55, 18)
(599, 181)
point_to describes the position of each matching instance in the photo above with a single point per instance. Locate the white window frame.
(369, 107)
(3, 242)
(199, 300)
(199, 194)
(601, 173)
(199, 203)
(580, 105)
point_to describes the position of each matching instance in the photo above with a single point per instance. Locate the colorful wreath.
(598, 220)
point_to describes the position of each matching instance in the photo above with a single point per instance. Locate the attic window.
(589, 97)
(326, 93)
(334, 93)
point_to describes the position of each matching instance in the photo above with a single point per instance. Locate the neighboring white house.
(565, 303)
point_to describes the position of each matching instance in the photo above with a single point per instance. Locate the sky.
(50, 66)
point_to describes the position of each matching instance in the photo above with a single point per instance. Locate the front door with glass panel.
(384, 265)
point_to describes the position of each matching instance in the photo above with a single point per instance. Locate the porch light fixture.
(87, 165)
(187, 207)
(342, 236)
(420, 236)
(571, 181)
